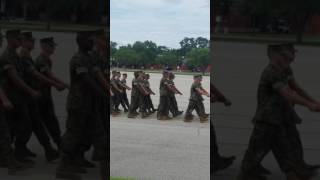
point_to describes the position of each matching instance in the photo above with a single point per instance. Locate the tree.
(297, 12)
(202, 42)
(198, 58)
(187, 44)
(170, 58)
(113, 48)
(126, 56)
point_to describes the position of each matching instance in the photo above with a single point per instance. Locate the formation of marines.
(275, 122)
(141, 97)
(27, 105)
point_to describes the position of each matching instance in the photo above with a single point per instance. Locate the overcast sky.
(165, 22)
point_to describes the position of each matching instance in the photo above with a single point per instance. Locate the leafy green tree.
(187, 44)
(127, 57)
(113, 48)
(202, 42)
(170, 58)
(198, 58)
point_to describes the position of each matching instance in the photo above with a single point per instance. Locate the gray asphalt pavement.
(237, 68)
(148, 149)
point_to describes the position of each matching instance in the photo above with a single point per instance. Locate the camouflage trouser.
(195, 105)
(101, 114)
(173, 105)
(148, 102)
(38, 127)
(49, 118)
(6, 150)
(213, 143)
(20, 124)
(116, 100)
(125, 101)
(163, 109)
(264, 138)
(83, 125)
(297, 148)
(137, 101)
(214, 153)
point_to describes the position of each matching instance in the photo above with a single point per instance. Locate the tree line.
(193, 53)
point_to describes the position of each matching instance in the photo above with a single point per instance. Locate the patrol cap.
(49, 41)
(13, 33)
(27, 36)
(197, 76)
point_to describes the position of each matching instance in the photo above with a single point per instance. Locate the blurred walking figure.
(196, 100)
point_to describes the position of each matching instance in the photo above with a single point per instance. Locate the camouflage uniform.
(82, 123)
(101, 102)
(147, 98)
(120, 94)
(134, 97)
(19, 119)
(33, 108)
(163, 109)
(6, 151)
(116, 94)
(272, 127)
(291, 118)
(173, 105)
(124, 95)
(46, 104)
(137, 98)
(195, 102)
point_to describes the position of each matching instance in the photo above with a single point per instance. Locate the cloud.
(165, 22)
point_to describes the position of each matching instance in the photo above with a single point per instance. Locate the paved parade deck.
(148, 149)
